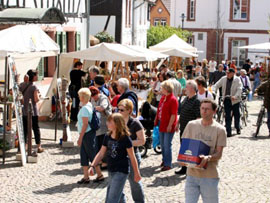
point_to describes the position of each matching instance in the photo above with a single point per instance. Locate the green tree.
(157, 34)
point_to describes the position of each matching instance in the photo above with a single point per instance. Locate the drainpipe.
(87, 22)
(218, 32)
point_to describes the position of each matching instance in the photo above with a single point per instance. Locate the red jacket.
(170, 107)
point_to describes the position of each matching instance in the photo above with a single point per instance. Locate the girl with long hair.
(117, 146)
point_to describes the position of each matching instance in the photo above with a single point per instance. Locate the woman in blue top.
(117, 146)
(87, 139)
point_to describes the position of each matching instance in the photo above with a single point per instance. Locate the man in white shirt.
(212, 68)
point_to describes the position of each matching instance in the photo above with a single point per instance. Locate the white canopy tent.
(175, 46)
(101, 52)
(261, 46)
(26, 44)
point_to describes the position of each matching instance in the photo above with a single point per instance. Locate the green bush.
(157, 34)
(104, 37)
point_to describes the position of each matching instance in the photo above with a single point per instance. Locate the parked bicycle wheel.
(142, 150)
(157, 149)
(259, 121)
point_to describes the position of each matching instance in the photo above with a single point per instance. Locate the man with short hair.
(247, 66)
(205, 182)
(126, 93)
(99, 82)
(93, 71)
(231, 91)
(190, 110)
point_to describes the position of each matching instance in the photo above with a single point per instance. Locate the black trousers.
(228, 118)
(35, 128)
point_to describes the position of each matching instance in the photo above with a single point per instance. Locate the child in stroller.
(147, 118)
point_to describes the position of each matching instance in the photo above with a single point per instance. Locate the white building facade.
(220, 26)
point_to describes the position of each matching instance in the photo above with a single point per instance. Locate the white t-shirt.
(203, 96)
(212, 66)
(158, 86)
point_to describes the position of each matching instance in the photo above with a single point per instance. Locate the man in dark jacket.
(217, 75)
(264, 88)
(123, 88)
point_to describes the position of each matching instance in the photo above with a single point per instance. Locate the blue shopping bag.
(156, 136)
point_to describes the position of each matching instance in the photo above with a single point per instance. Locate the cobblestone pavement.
(244, 172)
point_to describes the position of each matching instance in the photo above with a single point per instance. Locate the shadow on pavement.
(11, 165)
(68, 151)
(149, 171)
(51, 125)
(68, 172)
(256, 138)
(70, 161)
(66, 188)
(167, 181)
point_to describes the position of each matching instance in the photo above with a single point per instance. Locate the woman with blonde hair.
(136, 130)
(87, 138)
(117, 146)
(166, 118)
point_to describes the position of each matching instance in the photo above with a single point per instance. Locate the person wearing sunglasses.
(125, 108)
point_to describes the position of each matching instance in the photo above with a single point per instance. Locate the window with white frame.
(192, 10)
(240, 9)
(239, 55)
(163, 22)
(156, 21)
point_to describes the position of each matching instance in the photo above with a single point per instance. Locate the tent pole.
(5, 110)
(56, 106)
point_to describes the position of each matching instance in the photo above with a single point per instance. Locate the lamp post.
(183, 18)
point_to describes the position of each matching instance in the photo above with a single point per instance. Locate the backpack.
(95, 121)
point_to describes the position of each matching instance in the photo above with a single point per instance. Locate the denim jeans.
(268, 119)
(255, 85)
(115, 187)
(206, 187)
(136, 188)
(166, 147)
(228, 118)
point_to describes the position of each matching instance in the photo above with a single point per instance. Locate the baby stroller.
(148, 114)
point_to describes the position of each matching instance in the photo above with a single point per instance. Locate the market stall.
(21, 48)
(117, 55)
(177, 49)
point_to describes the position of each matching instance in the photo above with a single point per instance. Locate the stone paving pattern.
(244, 172)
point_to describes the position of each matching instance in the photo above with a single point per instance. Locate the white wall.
(201, 45)
(97, 24)
(206, 15)
(253, 39)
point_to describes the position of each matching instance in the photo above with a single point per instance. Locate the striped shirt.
(190, 110)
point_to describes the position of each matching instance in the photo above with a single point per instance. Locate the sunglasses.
(121, 110)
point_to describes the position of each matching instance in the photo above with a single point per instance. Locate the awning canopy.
(148, 51)
(261, 46)
(110, 52)
(26, 41)
(32, 15)
(175, 46)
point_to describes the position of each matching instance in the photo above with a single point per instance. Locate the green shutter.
(41, 69)
(78, 41)
(64, 42)
(58, 40)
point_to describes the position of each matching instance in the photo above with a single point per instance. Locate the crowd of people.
(185, 102)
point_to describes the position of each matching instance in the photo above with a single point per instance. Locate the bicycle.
(243, 108)
(221, 110)
(260, 119)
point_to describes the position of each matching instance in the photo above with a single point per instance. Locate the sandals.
(83, 181)
(99, 179)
